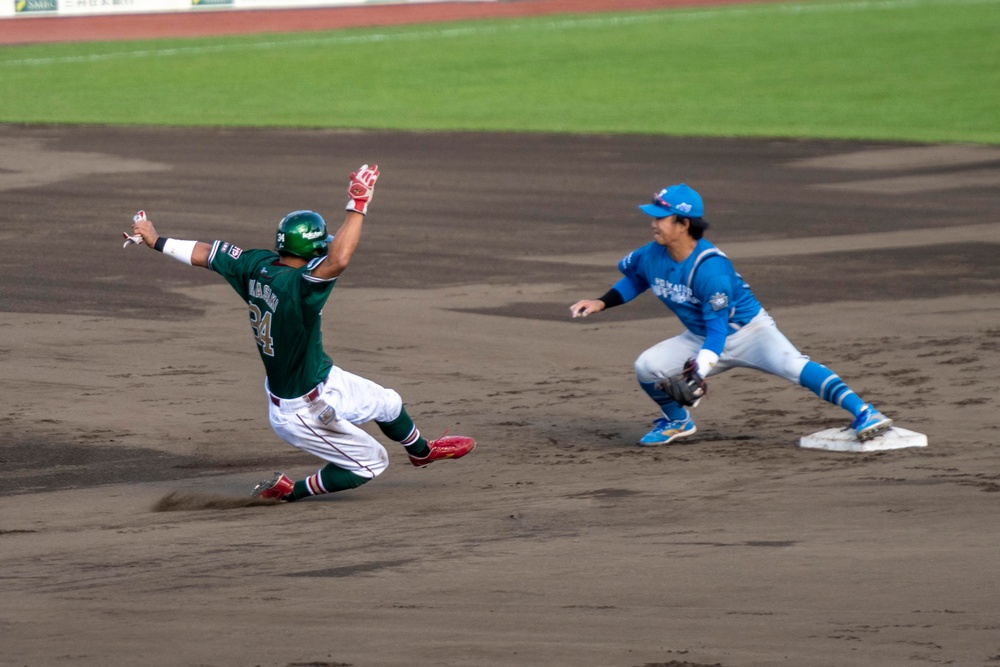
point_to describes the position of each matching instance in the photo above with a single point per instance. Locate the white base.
(844, 440)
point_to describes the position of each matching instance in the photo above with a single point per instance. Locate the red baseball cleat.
(450, 447)
(276, 488)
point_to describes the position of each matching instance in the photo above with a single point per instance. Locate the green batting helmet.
(303, 234)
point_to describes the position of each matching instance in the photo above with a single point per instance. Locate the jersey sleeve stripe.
(313, 263)
(313, 279)
(211, 254)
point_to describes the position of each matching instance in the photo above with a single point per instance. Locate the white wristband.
(182, 251)
(353, 206)
(705, 362)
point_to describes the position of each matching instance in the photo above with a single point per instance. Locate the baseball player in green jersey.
(313, 404)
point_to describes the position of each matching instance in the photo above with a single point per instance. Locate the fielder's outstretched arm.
(194, 253)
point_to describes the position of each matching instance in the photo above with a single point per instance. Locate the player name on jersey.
(255, 289)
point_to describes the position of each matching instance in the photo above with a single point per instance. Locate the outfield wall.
(15, 8)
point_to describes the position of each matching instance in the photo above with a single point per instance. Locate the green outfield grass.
(925, 70)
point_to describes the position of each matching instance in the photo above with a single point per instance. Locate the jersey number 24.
(261, 325)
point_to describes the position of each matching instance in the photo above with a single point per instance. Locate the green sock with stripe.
(328, 479)
(405, 432)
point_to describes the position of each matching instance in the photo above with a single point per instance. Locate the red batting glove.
(362, 188)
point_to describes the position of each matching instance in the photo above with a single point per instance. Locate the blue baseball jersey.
(703, 287)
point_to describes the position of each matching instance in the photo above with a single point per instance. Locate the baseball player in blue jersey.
(726, 327)
(313, 404)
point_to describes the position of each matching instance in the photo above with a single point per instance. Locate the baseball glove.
(687, 388)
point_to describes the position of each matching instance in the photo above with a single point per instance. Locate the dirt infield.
(136, 423)
(128, 377)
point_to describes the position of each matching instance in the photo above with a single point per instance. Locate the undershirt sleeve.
(611, 298)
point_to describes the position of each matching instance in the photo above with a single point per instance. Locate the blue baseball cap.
(675, 200)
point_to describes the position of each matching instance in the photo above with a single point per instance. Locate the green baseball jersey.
(285, 307)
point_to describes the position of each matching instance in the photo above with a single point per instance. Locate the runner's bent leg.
(339, 442)
(362, 401)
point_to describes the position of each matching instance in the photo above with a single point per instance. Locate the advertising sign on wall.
(31, 6)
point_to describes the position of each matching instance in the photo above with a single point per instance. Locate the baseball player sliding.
(726, 325)
(313, 404)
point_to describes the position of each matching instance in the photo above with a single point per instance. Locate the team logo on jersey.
(674, 292)
(233, 251)
(719, 301)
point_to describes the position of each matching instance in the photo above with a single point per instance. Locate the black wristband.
(160, 242)
(612, 298)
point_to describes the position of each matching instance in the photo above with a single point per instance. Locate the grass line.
(906, 70)
(483, 29)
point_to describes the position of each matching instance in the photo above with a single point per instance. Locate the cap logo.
(313, 235)
(683, 207)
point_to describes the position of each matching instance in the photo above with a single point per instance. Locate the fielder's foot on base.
(449, 447)
(666, 431)
(870, 423)
(276, 488)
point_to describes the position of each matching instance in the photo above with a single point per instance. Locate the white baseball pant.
(327, 426)
(759, 345)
